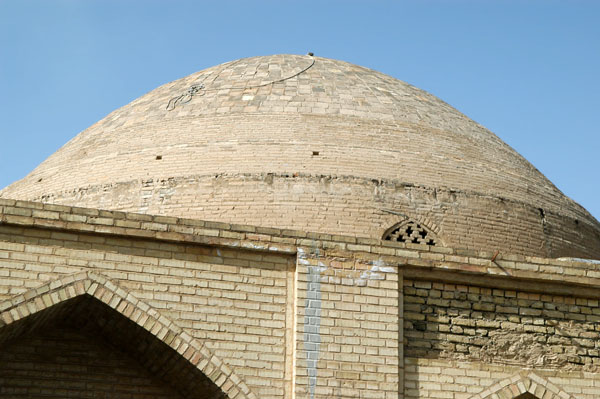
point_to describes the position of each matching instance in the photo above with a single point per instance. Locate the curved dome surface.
(313, 144)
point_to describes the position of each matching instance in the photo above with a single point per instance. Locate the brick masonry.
(71, 364)
(272, 313)
(337, 148)
(476, 323)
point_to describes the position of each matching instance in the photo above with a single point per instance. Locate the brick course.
(317, 314)
(337, 148)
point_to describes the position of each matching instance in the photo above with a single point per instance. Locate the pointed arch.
(525, 385)
(92, 302)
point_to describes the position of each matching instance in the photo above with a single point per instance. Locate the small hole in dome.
(159, 157)
(315, 153)
(39, 180)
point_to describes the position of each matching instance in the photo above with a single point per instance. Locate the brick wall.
(451, 379)
(348, 327)
(315, 315)
(238, 302)
(460, 339)
(62, 362)
(349, 206)
(493, 325)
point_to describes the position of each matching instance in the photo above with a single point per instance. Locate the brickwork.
(418, 259)
(303, 165)
(526, 385)
(444, 378)
(460, 339)
(358, 207)
(62, 362)
(235, 301)
(332, 149)
(283, 312)
(348, 336)
(73, 300)
(514, 327)
(233, 307)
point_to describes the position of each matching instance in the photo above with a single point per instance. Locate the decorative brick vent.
(410, 232)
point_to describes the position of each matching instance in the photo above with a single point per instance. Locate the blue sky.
(527, 70)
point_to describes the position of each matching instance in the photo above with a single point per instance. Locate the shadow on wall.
(82, 345)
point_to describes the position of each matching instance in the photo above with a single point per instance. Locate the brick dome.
(319, 145)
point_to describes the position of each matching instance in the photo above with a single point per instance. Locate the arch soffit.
(521, 384)
(102, 289)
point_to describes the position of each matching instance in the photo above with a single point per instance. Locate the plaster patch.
(375, 272)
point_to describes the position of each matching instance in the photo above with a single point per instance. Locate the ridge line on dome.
(378, 182)
(196, 88)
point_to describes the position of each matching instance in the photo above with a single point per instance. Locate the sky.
(527, 70)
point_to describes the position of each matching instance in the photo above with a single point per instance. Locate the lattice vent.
(411, 232)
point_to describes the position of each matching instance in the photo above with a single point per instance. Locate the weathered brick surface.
(338, 149)
(278, 312)
(263, 274)
(351, 206)
(462, 322)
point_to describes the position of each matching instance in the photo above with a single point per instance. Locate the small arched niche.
(413, 232)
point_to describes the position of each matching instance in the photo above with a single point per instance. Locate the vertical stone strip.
(312, 325)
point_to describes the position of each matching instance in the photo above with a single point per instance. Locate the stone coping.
(395, 254)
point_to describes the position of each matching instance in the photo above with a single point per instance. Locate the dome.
(319, 145)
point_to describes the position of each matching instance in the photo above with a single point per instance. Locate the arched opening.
(524, 385)
(82, 347)
(527, 396)
(86, 314)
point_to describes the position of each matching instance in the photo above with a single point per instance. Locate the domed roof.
(313, 144)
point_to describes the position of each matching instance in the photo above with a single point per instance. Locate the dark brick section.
(62, 362)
